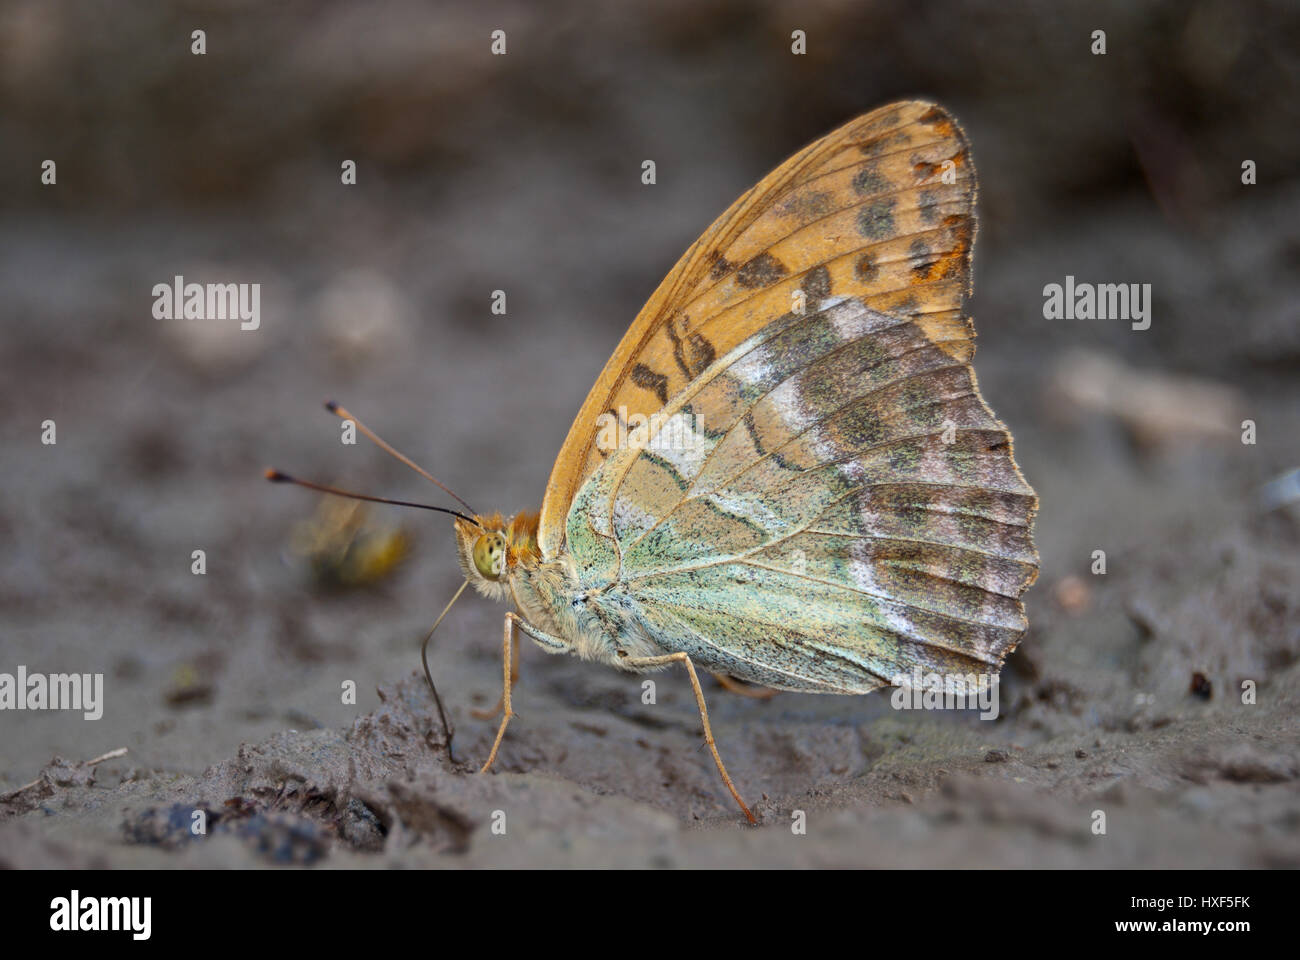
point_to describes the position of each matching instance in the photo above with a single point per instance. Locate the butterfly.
(786, 474)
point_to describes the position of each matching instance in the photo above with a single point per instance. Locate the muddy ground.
(522, 174)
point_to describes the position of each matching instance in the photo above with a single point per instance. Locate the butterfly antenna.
(447, 730)
(334, 408)
(276, 476)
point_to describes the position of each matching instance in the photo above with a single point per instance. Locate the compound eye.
(490, 556)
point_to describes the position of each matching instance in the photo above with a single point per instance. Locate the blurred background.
(521, 173)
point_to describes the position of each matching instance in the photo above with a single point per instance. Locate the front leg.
(549, 642)
(514, 678)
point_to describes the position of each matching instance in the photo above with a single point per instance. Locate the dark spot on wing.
(869, 181)
(876, 219)
(691, 350)
(752, 429)
(646, 378)
(696, 353)
(719, 266)
(816, 283)
(764, 270)
(866, 269)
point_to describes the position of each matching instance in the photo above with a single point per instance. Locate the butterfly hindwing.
(880, 210)
(824, 508)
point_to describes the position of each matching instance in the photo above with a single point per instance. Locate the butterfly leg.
(735, 686)
(553, 644)
(501, 702)
(641, 663)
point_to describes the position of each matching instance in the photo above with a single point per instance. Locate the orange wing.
(882, 210)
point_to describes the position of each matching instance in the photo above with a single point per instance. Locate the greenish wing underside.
(826, 507)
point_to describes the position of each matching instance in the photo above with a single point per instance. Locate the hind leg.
(649, 663)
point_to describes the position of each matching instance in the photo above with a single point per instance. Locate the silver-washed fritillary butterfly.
(786, 473)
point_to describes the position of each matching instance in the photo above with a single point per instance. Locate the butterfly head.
(491, 548)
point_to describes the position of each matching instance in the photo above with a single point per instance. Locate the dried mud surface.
(1097, 715)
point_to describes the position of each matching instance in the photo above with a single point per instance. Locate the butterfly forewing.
(880, 210)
